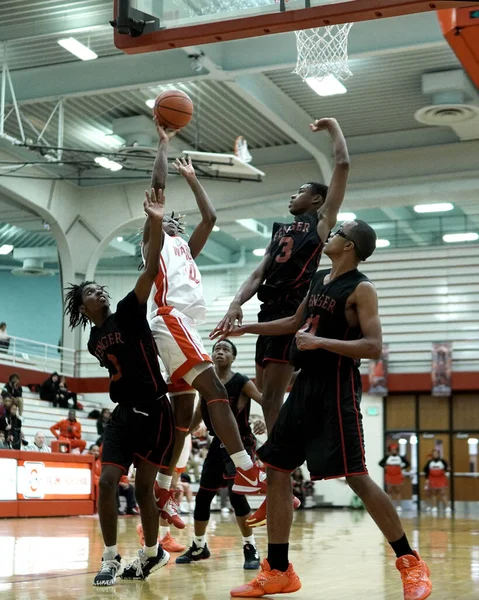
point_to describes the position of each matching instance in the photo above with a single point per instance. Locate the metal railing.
(29, 354)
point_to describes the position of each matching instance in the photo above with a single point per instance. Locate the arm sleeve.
(406, 464)
(55, 428)
(382, 462)
(445, 463)
(426, 469)
(77, 431)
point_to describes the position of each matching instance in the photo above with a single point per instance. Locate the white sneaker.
(225, 510)
(434, 511)
(448, 511)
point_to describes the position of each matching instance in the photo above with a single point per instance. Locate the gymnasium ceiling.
(388, 59)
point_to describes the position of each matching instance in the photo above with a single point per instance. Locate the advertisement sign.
(8, 478)
(53, 481)
(441, 368)
(378, 374)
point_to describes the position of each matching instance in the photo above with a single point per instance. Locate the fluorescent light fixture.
(255, 226)
(6, 249)
(346, 216)
(115, 141)
(150, 103)
(77, 48)
(472, 441)
(119, 238)
(106, 163)
(259, 251)
(432, 208)
(382, 243)
(328, 86)
(451, 238)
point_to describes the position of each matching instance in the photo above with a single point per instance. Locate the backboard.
(151, 25)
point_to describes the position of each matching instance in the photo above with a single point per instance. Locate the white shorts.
(184, 456)
(180, 348)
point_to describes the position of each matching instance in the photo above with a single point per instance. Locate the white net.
(323, 51)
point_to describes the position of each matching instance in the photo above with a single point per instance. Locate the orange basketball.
(173, 109)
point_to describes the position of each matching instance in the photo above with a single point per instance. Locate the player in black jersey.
(337, 324)
(282, 278)
(218, 468)
(141, 429)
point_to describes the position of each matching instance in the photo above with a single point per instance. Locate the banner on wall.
(441, 368)
(378, 374)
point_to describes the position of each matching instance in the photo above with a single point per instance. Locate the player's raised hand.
(184, 167)
(165, 135)
(221, 334)
(259, 427)
(154, 204)
(321, 124)
(227, 323)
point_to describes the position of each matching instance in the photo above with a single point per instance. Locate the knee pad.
(203, 501)
(240, 504)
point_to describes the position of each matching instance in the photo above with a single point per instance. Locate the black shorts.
(273, 348)
(146, 433)
(320, 423)
(218, 468)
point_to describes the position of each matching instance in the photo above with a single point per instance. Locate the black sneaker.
(144, 565)
(251, 557)
(193, 554)
(108, 572)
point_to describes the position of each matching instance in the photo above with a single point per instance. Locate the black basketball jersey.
(325, 316)
(295, 252)
(125, 346)
(234, 387)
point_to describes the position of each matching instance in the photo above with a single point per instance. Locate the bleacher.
(39, 415)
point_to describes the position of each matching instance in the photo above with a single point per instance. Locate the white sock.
(164, 531)
(200, 540)
(249, 540)
(164, 481)
(110, 552)
(242, 460)
(151, 551)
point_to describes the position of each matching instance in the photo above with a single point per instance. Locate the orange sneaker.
(168, 506)
(415, 577)
(269, 582)
(258, 518)
(252, 481)
(170, 544)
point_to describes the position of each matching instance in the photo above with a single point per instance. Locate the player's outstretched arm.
(251, 391)
(202, 231)
(246, 291)
(328, 213)
(369, 346)
(154, 206)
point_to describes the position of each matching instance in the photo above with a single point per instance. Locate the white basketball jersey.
(178, 283)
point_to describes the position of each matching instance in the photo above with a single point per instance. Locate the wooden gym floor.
(339, 555)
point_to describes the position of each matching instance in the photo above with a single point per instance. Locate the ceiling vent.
(32, 267)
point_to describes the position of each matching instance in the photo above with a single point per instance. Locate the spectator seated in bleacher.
(4, 338)
(128, 491)
(49, 388)
(4, 445)
(101, 423)
(12, 389)
(183, 490)
(64, 396)
(39, 444)
(69, 430)
(11, 425)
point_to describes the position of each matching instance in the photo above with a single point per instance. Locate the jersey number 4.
(286, 247)
(116, 376)
(311, 325)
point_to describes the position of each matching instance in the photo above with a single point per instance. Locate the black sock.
(278, 556)
(401, 547)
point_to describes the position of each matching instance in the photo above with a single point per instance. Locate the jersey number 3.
(114, 362)
(286, 246)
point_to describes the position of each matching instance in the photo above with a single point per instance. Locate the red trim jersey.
(435, 471)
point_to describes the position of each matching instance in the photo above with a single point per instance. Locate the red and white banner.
(53, 480)
(378, 374)
(441, 368)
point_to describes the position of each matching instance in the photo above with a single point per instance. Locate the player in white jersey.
(178, 306)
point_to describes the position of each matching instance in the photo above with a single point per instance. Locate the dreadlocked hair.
(73, 301)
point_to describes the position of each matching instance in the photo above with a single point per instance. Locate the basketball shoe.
(108, 572)
(251, 557)
(168, 541)
(144, 565)
(193, 554)
(252, 481)
(168, 506)
(415, 577)
(269, 582)
(258, 518)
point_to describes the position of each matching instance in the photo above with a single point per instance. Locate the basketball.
(173, 109)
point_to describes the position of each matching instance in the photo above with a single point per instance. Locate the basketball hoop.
(323, 51)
